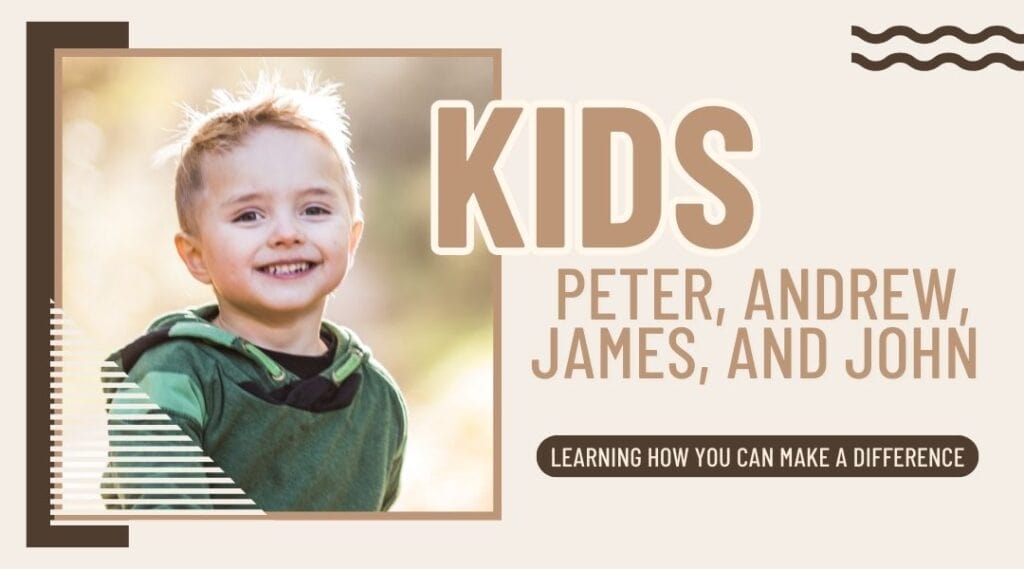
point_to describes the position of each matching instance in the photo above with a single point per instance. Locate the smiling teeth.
(288, 269)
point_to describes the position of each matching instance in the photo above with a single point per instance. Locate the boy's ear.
(191, 253)
(353, 241)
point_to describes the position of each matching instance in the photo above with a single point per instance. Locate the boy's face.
(275, 234)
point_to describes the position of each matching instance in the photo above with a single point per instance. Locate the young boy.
(293, 408)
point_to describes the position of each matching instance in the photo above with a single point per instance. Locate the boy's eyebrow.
(316, 191)
(252, 196)
(246, 197)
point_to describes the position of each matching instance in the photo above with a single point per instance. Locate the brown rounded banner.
(753, 456)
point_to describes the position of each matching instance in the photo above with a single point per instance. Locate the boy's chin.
(279, 309)
(294, 308)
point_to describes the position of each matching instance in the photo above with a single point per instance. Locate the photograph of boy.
(222, 354)
(293, 408)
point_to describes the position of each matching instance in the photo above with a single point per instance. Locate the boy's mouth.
(287, 269)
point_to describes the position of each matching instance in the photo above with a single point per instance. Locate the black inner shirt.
(305, 366)
(312, 392)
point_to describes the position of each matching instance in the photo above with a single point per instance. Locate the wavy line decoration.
(928, 65)
(940, 32)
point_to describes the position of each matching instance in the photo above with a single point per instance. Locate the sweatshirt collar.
(196, 323)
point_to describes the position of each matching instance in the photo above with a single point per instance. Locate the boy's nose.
(286, 232)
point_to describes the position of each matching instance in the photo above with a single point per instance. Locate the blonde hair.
(315, 108)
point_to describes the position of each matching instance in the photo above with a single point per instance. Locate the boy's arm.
(180, 397)
(394, 474)
(402, 419)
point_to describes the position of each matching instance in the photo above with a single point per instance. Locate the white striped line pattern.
(104, 428)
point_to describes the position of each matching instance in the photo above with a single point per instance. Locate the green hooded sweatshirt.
(333, 442)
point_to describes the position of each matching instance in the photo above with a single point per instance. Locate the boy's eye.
(246, 216)
(316, 210)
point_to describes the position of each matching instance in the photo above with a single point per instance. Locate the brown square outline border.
(48, 42)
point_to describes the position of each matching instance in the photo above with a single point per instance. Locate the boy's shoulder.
(182, 340)
(350, 342)
(375, 376)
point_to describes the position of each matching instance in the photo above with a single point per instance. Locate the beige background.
(896, 168)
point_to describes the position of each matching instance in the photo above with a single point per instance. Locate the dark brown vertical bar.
(42, 39)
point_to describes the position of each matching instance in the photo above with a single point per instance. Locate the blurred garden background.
(427, 318)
